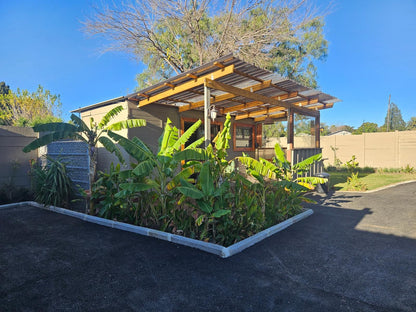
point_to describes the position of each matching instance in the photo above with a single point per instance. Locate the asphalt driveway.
(357, 252)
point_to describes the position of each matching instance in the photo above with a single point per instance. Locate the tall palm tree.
(91, 135)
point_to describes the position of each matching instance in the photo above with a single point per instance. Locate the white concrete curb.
(219, 250)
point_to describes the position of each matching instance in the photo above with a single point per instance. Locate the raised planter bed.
(219, 250)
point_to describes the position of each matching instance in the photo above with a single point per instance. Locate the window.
(243, 137)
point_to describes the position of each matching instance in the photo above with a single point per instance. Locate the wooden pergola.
(241, 89)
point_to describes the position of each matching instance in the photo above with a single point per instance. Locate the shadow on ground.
(332, 261)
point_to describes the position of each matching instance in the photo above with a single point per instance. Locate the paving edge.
(218, 250)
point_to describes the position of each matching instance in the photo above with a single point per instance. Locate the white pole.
(207, 122)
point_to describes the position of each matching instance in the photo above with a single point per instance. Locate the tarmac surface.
(357, 252)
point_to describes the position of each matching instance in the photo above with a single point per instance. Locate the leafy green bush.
(194, 192)
(355, 184)
(51, 184)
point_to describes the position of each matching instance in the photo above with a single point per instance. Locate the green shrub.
(51, 184)
(355, 184)
(196, 192)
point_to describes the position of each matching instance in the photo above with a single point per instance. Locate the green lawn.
(372, 180)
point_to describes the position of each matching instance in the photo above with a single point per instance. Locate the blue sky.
(372, 53)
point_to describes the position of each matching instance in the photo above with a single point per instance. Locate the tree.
(394, 120)
(90, 135)
(4, 89)
(276, 130)
(24, 108)
(411, 124)
(366, 127)
(172, 36)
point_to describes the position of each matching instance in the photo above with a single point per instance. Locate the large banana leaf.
(186, 135)
(169, 138)
(196, 143)
(263, 167)
(111, 147)
(82, 127)
(135, 187)
(280, 154)
(51, 137)
(205, 179)
(55, 127)
(139, 152)
(144, 168)
(127, 124)
(307, 163)
(312, 180)
(110, 115)
(190, 191)
(221, 140)
(292, 186)
(182, 175)
(191, 154)
(142, 145)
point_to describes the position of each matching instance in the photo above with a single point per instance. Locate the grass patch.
(373, 181)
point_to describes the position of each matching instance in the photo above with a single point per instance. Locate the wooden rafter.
(270, 110)
(257, 103)
(258, 97)
(284, 114)
(227, 96)
(188, 85)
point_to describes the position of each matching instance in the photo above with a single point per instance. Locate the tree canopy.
(411, 124)
(172, 36)
(366, 127)
(27, 109)
(4, 89)
(394, 120)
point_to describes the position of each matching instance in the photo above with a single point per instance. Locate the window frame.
(253, 138)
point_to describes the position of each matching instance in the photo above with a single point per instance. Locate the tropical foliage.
(51, 183)
(91, 135)
(195, 192)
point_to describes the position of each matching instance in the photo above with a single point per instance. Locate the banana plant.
(289, 171)
(210, 198)
(159, 172)
(91, 135)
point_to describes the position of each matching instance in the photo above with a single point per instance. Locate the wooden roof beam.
(270, 110)
(256, 103)
(284, 114)
(227, 96)
(274, 116)
(227, 70)
(259, 97)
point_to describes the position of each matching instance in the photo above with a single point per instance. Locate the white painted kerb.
(219, 250)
